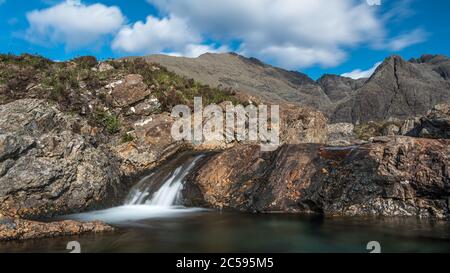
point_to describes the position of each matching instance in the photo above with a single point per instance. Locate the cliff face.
(51, 163)
(398, 89)
(397, 176)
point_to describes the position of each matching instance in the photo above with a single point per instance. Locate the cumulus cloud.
(290, 33)
(155, 35)
(73, 24)
(359, 74)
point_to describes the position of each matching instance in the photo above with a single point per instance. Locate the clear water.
(209, 231)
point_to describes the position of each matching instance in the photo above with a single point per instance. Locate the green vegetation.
(109, 121)
(127, 138)
(172, 89)
(78, 86)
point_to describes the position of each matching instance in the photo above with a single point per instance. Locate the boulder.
(129, 90)
(302, 125)
(436, 124)
(393, 176)
(50, 163)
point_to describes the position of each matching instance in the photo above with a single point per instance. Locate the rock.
(408, 126)
(302, 125)
(342, 134)
(436, 124)
(339, 88)
(391, 130)
(129, 90)
(398, 89)
(48, 167)
(399, 176)
(152, 143)
(16, 229)
(146, 108)
(103, 67)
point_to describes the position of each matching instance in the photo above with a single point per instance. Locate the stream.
(153, 220)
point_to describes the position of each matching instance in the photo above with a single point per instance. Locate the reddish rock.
(16, 229)
(397, 176)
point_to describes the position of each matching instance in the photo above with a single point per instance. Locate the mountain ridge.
(397, 89)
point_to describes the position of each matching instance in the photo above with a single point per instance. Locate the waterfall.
(162, 189)
(157, 195)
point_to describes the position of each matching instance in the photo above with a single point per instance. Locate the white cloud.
(195, 50)
(358, 73)
(290, 33)
(155, 35)
(73, 24)
(405, 40)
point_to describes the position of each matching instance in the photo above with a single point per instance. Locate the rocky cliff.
(397, 176)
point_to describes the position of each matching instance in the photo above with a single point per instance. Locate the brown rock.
(129, 90)
(152, 143)
(16, 229)
(398, 177)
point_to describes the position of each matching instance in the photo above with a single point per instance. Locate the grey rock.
(398, 89)
(47, 168)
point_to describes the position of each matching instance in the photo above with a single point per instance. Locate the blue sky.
(311, 36)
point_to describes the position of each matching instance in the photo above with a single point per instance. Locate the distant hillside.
(250, 76)
(397, 89)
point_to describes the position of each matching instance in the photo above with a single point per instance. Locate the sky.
(344, 37)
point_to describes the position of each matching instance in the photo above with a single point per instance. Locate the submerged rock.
(50, 163)
(16, 229)
(397, 176)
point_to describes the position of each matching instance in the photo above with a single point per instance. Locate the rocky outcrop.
(152, 143)
(130, 91)
(302, 125)
(341, 134)
(398, 176)
(51, 163)
(436, 124)
(19, 230)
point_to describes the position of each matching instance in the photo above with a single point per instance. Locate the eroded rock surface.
(397, 176)
(51, 163)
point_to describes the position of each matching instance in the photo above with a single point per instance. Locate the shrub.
(86, 62)
(127, 138)
(109, 121)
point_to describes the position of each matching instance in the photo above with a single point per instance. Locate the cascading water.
(167, 194)
(155, 196)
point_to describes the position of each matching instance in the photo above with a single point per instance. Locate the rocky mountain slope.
(249, 75)
(398, 88)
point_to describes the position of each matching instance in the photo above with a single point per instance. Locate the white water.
(144, 202)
